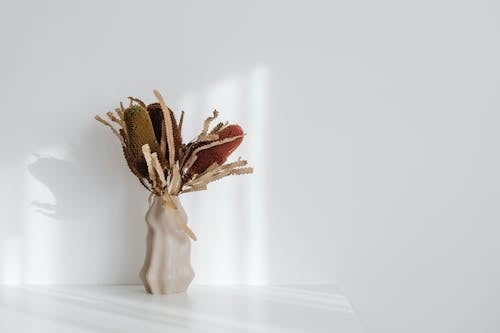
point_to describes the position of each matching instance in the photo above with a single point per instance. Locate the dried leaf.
(194, 188)
(216, 173)
(158, 169)
(168, 202)
(207, 122)
(218, 127)
(181, 121)
(113, 118)
(175, 180)
(136, 100)
(168, 128)
(115, 132)
(147, 156)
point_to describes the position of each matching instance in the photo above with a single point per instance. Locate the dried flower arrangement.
(151, 139)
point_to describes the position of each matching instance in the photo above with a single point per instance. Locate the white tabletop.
(202, 309)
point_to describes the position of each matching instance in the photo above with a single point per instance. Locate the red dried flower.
(218, 153)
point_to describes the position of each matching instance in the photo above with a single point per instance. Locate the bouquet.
(152, 143)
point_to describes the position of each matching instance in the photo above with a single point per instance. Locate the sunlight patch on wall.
(231, 217)
(258, 89)
(225, 96)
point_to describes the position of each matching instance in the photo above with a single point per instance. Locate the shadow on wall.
(78, 213)
(81, 177)
(84, 219)
(59, 175)
(83, 214)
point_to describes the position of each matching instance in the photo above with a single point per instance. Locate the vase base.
(179, 284)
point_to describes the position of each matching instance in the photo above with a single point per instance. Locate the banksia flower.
(156, 115)
(139, 132)
(217, 154)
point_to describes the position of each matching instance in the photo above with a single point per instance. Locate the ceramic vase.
(167, 266)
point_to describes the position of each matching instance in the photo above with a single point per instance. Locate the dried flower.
(152, 145)
(217, 154)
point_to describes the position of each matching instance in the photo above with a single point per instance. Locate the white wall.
(373, 127)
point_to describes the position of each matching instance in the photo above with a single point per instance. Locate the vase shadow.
(80, 186)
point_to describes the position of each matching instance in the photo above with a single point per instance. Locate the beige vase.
(167, 266)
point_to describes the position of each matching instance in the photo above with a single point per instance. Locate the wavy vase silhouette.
(167, 266)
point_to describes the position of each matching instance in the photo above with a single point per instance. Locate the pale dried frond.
(115, 132)
(194, 188)
(168, 128)
(181, 121)
(123, 130)
(145, 184)
(208, 137)
(206, 123)
(183, 225)
(175, 180)
(218, 127)
(230, 172)
(158, 169)
(151, 171)
(238, 163)
(204, 135)
(216, 172)
(120, 113)
(168, 202)
(113, 118)
(136, 100)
